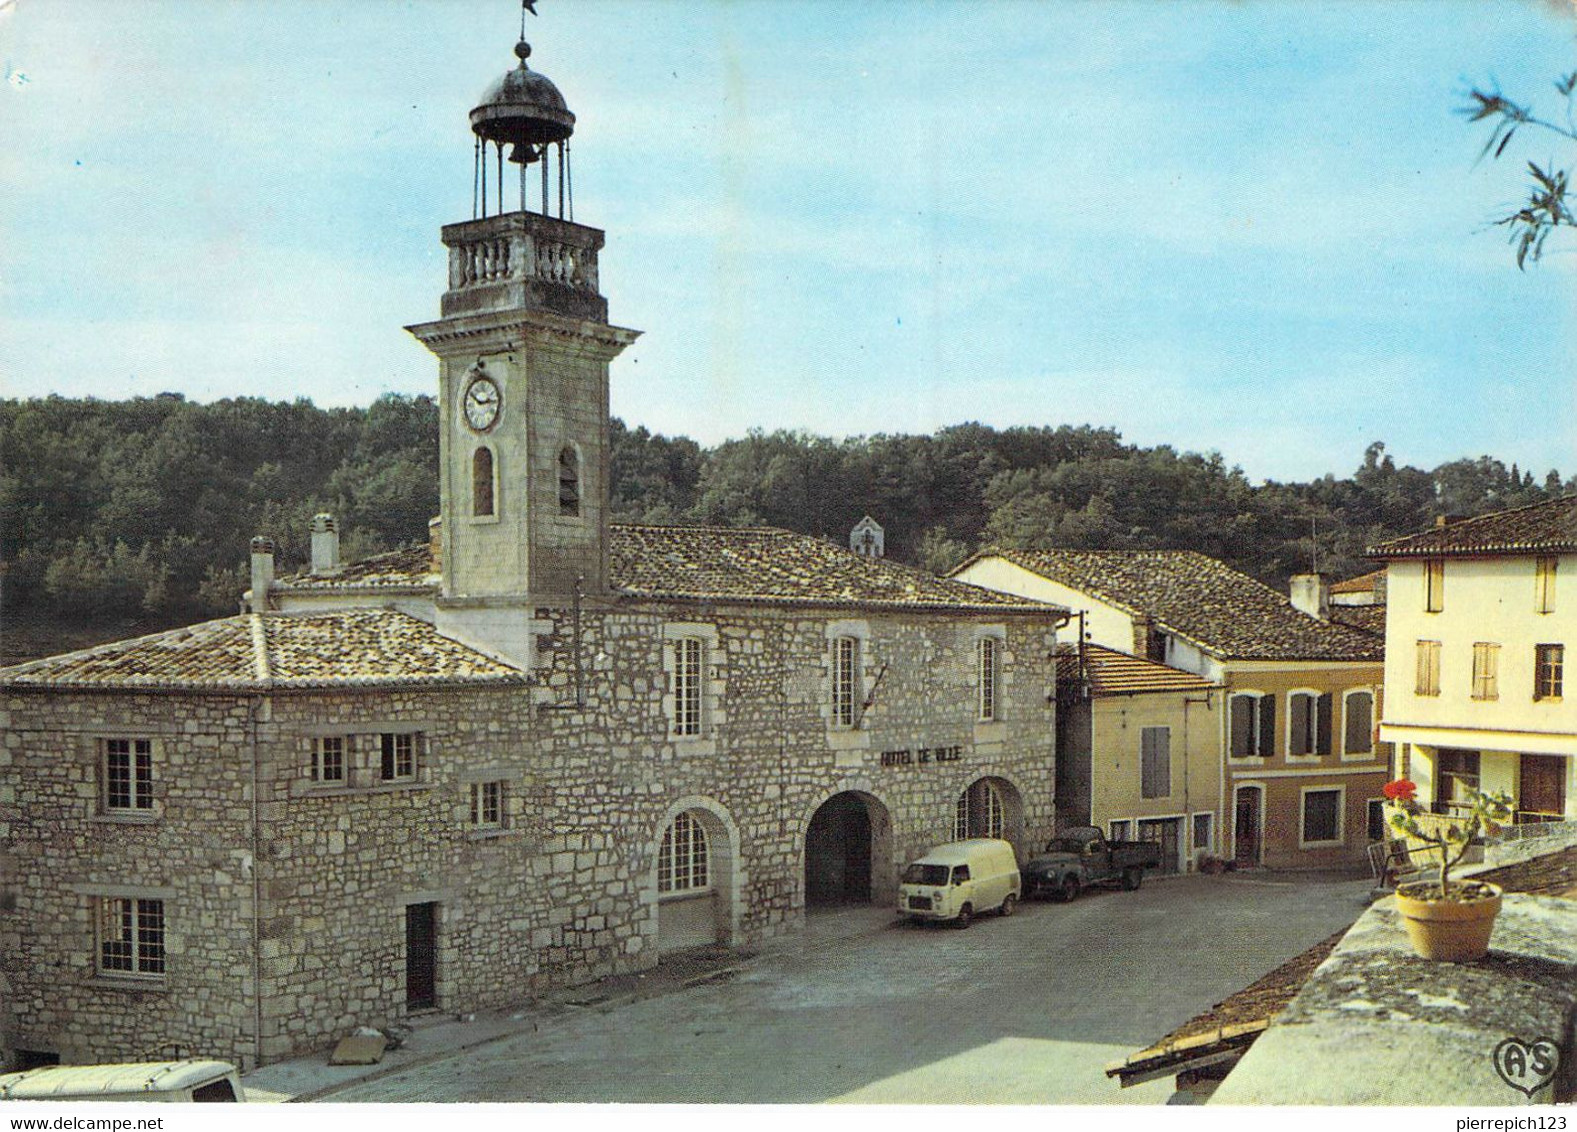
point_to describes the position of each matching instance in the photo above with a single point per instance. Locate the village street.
(1023, 1010)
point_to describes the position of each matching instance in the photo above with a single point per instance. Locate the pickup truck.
(1081, 856)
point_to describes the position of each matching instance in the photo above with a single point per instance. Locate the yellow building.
(1477, 625)
(1139, 752)
(1302, 771)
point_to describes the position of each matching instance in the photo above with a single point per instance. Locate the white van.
(959, 880)
(177, 1081)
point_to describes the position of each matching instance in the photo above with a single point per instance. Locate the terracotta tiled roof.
(1232, 1023)
(364, 647)
(1541, 528)
(1226, 613)
(1362, 584)
(409, 567)
(1553, 874)
(771, 566)
(1113, 673)
(1366, 618)
(764, 565)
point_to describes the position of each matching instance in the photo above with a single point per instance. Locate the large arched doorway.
(847, 851)
(694, 882)
(989, 807)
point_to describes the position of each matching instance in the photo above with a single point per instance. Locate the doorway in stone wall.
(1248, 824)
(843, 851)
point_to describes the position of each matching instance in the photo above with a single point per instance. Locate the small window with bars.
(128, 775)
(487, 804)
(845, 681)
(689, 671)
(131, 937)
(1549, 663)
(682, 858)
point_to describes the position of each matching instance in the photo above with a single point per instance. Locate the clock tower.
(523, 345)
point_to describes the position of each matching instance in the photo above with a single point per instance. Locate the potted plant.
(1446, 919)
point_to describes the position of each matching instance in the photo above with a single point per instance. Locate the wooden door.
(1543, 794)
(1246, 838)
(421, 956)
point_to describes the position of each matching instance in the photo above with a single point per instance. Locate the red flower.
(1401, 790)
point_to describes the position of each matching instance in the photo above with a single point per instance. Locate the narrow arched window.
(569, 481)
(482, 482)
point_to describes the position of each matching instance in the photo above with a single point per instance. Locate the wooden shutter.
(1155, 762)
(1242, 726)
(1323, 743)
(1298, 742)
(1267, 726)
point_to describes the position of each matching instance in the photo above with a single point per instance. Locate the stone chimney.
(435, 543)
(262, 572)
(1311, 593)
(325, 545)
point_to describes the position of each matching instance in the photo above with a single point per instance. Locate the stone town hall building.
(543, 749)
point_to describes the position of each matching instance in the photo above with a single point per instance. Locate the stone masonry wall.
(564, 892)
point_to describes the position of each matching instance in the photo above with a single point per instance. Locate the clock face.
(482, 403)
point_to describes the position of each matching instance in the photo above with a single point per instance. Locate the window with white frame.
(1155, 762)
(980, 812)
(328, 759)
(1377, 826)
(1118, 830)
(397, 756)
(1308, 723)
(989, 663)
(1486, 671)
(688, 673)
(1549, 663)
(127, 771)
(682, 859)
(1203, 830)
(1322, 817)
(1544, 583)
(845, 681)
(1358, 723)
(1253, 723)
(1427, 669)
(487, 804)
(131, 937)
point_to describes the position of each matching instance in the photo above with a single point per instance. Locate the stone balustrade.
(523, 259)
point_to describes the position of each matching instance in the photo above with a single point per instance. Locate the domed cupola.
(525, 112)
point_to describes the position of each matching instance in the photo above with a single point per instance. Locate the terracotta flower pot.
(1451, 930)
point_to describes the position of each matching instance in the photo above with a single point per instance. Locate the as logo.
(1527, 1066)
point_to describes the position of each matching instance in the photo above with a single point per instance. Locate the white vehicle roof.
(962, 852)
(110, 1080)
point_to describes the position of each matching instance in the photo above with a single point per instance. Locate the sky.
(1257, 228)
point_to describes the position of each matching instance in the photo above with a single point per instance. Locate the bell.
(524, 154)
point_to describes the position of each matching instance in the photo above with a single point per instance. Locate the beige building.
(1302, 769)
(543, 749)
(1139, 752)
(1479, 615)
